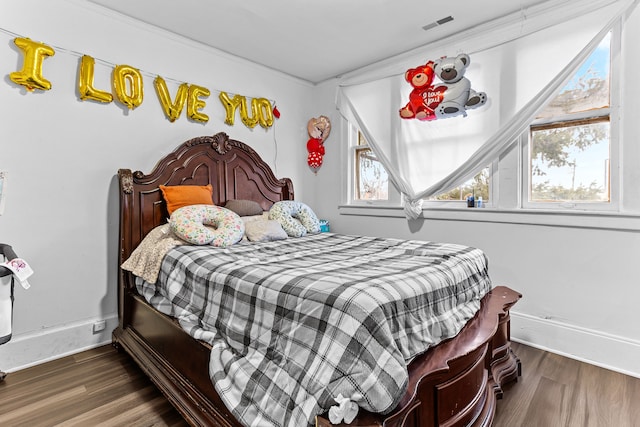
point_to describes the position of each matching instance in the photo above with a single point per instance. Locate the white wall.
(62, 155)
(578, 276)
(580, 285)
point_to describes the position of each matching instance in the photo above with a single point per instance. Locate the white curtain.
(520, 71)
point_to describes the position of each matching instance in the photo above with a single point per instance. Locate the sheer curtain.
(520, 71)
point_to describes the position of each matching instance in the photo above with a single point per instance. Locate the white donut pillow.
(296, 218)
(188, 223)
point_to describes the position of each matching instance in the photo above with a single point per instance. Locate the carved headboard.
(233, 168)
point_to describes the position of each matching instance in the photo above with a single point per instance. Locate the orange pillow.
(178, 196)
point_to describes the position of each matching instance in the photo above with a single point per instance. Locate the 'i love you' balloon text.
(128, 89)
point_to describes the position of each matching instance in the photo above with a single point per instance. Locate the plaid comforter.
(296, 322)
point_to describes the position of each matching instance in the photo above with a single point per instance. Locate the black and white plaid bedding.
(296, 322)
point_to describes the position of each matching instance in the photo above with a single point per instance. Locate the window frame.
(591, 116)
(394, 198)
(460, 204)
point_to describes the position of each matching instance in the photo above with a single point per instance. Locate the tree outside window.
(372, 180)
(570, 141)
(478, 187)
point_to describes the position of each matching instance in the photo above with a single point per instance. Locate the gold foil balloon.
(195, 104)
(85, 83)
(31, 74)
(249, 121)
(230, 105)
(265, 112)
(261, 111)
(128, 86)
(171, 109)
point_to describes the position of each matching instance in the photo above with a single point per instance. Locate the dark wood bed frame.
(453, 384)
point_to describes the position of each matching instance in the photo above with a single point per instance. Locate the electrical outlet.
(99, 326)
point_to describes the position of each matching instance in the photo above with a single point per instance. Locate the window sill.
(573, 219)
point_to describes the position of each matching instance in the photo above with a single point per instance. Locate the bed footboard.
(457, 382)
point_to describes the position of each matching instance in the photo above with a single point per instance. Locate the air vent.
(438, 22)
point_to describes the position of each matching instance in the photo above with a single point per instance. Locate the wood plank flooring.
(100, 387)
(557, 391)
(103, 387)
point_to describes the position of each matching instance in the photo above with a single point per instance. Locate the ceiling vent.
(438, 22)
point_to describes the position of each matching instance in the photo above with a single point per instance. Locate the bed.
(453, 383)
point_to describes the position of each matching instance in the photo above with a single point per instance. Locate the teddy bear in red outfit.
(424, 98)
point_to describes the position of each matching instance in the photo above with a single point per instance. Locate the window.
(478, 186)
(570, 143)
(567, 160)
(371, 179)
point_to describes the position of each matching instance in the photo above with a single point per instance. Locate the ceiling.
(316, 40)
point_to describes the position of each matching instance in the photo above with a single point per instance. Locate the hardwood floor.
(555, 391)
(103, 387)
(100, 387)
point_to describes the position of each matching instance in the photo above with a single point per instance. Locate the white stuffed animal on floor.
(458, 97)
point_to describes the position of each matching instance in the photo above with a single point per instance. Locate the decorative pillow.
(296, 218)
(244, 207)
(178, 196)
(264, 231)
(263, 217)
(188, 223)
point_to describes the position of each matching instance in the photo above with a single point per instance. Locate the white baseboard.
(597, 348)
(35, 348)
(607, 351)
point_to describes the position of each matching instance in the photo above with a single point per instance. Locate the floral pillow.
(296, 218)
(189, 224)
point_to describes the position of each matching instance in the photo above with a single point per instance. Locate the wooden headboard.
(233, 168)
